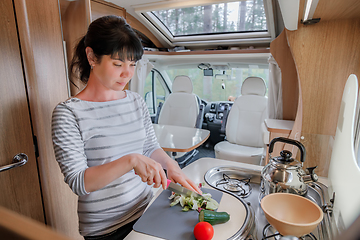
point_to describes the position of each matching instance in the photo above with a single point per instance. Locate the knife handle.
(168, 183)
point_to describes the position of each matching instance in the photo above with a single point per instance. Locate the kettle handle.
(288, 141)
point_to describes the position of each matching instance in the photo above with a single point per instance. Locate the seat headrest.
(253, 86)
(182, 84)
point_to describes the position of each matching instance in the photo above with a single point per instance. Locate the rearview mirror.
(208, 72)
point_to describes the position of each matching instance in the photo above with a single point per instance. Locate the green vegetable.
(185, 209)
(194, 203)
(213, 217)
(175, 201)
(212, 204)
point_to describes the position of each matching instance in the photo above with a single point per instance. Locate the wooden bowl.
(290, 214)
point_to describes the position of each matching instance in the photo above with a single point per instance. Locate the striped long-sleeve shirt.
(87, 134)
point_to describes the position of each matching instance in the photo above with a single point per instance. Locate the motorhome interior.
(246, 72)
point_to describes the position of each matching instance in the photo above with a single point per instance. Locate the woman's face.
(113, 73)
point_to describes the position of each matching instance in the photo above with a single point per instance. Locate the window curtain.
(142, 69)
(275, 90)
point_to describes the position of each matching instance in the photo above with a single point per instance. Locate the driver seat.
(245, 126)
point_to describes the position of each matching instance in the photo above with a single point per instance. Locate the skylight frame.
(231, 38)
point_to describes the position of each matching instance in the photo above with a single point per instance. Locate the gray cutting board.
(161, 220)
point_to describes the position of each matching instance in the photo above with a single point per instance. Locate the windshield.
(223, 83)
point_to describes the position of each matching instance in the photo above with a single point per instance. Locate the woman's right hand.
(149, 170)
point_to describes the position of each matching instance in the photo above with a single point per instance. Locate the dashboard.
(213, 116)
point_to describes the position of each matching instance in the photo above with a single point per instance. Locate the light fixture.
(309, 10)
(290, 13)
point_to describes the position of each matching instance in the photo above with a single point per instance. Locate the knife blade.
(181, 190)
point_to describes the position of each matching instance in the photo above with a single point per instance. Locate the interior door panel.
(19, 187)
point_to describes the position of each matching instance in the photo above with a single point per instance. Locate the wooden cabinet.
(33, 81)
(19, 187)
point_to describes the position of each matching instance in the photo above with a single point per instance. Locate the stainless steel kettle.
(285, 174)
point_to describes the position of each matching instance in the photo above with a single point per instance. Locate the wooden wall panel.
(44, 64)
(101, 8)
(325, 55)
(335, 9)
(290, 91)
(318, 151)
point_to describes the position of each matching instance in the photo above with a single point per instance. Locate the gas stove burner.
(269, 232)
(239, 186)
(232, 186)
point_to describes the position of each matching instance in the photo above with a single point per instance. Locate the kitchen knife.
(181, 190)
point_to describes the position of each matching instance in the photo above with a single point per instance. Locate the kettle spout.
(311, 176)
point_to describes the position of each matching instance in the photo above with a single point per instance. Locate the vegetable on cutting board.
(203, 231)
(213, 217)
(194, 203)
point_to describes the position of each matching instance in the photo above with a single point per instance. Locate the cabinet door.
(42, 49)
(19, 187)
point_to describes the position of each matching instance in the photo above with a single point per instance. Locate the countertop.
(279, 126)
(196, 171)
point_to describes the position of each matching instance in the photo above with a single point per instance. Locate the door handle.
(18, 160)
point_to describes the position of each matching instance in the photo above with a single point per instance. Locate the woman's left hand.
(176, 175)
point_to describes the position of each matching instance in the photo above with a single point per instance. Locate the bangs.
(128, 54)
(129, 50)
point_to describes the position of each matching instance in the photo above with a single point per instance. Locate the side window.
(160, 92)
(155, 91)
(148, 93)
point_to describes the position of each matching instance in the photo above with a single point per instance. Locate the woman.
(103, 137)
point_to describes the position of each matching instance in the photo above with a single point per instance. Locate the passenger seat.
(245, 125)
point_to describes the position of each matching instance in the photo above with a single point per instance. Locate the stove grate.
(269, 232)
(241, 187)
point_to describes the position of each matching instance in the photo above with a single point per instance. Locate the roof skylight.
(214, 23)
(229, 17)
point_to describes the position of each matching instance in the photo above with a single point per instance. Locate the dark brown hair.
(109, 35)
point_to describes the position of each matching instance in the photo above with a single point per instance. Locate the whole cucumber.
(213, 217)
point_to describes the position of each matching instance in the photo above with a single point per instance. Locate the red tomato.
(203, 231)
